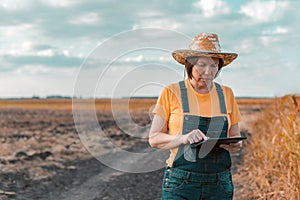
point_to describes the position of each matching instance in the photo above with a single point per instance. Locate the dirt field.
(42, 156)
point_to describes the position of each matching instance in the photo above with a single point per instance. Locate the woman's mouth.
(206, 79)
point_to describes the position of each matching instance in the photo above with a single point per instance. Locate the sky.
(109, 48)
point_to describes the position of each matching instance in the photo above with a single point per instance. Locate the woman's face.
(205, 70)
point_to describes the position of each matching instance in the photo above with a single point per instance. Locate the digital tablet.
(218, 141)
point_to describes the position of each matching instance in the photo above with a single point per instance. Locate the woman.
(194, 110)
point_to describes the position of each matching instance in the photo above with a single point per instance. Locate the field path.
(113, 184)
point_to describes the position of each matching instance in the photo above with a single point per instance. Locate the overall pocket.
(172, 182)
(226, 185)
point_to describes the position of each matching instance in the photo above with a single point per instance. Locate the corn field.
(271, 168)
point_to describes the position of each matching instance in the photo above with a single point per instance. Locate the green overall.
(200, 173)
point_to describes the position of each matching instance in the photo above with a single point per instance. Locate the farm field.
(42, 156)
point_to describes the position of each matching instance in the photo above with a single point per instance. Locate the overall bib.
(200, 173)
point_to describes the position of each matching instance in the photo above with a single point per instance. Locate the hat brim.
(181, 55)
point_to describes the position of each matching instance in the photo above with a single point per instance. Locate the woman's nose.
(207, 70)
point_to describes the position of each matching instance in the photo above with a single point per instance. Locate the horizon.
(57, 97)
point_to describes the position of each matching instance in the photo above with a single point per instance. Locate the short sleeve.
(162, 107)
(235, 116)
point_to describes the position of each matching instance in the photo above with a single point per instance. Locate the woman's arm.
(159, 138)
(234, 131)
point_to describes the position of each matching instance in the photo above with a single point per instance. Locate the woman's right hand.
(193, 137)
(159, 138)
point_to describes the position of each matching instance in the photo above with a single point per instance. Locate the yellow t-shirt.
(169, 107)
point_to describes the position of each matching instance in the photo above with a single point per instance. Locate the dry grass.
(52, 104)
(101, 104)
(66, 104)
(272, 166)
(254, 101)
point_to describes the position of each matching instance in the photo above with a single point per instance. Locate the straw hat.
(204, 44)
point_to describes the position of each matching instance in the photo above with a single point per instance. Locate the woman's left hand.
(232, 147)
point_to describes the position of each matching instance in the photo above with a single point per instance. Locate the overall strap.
(221, 98)
(184, 98)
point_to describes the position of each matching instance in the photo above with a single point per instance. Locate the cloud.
(212, 7)
(149, 13)
(148, 59)
(278, 30)
(264, 11)
(19, 39)
(247, 45)
(30, 81)
(61, 3)
(32, 70)
(162, 17)
(14, 30)
(139, 58)
(46, 53)
(41, 46)
(87, 18)
(157, 23)
(16, 5)
(46, 58)
(269, 40)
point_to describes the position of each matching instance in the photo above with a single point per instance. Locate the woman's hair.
(191, 61)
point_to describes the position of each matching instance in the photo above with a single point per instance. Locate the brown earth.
(42, 156)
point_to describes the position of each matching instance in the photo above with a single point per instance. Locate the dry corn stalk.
(272, 165)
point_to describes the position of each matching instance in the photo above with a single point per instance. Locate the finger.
(198, 137)
(190, 137)
(236, 145)
(201, 135)
(193, 136)
(224, 145)
(234, 148)
(191, 140)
